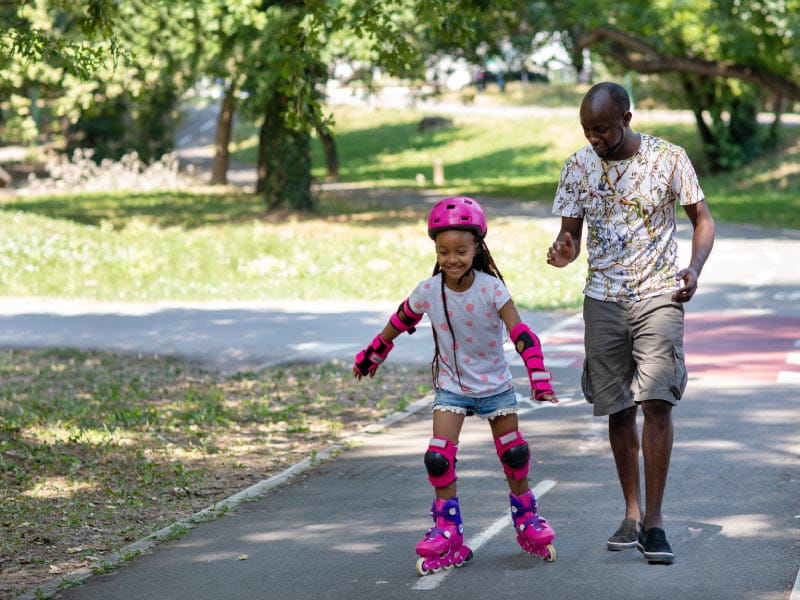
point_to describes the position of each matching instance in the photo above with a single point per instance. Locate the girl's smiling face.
(455, 250)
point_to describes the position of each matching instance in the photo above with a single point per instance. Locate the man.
(625, 185)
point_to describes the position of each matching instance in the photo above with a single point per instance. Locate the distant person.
(468, 305)
(625, 185)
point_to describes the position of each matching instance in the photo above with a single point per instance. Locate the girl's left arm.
(510, 315)
(527, 345)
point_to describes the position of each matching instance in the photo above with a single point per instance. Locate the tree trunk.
(219, 170)
(284, 161)
(697, 104)
(331, 156)
(774, 128)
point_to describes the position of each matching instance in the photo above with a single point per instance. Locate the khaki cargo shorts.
(634, 353)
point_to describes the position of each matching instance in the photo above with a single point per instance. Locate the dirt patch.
(99, 450)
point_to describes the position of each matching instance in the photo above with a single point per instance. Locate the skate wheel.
(551, 553)
(421, 570)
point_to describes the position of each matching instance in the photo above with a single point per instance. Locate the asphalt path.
(347, 528)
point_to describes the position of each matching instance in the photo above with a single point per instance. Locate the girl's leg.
(500, 426)
(448, 425)
(443, 545)
(534, 534)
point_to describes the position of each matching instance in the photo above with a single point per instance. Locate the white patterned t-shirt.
(629, 209)
(477, 329)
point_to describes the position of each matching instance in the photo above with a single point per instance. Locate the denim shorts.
(504, 403)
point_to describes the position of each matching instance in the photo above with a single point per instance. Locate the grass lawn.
(521, 157)
(221, 247)
(218, 246)
(98, 450)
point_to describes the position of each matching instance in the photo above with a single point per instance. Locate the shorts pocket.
(680, 376)
(585, 383)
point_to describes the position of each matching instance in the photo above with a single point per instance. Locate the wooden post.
(438, 171)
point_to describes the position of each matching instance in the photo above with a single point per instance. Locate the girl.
(467, 303)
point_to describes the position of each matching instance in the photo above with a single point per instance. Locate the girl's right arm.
(370, 358)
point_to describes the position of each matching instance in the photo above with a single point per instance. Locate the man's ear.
(626, 118)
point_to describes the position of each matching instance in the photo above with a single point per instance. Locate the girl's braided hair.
(483, 262)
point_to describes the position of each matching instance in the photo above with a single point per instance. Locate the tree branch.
(643, 58)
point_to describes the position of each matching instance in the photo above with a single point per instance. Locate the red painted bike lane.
(742, 346)
(737, 346)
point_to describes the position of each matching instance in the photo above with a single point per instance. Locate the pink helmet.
(458, 212)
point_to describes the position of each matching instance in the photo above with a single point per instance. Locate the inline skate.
(533, 533)
(443, 545)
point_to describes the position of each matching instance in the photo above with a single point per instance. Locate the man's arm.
(702, 243)
(567, 245)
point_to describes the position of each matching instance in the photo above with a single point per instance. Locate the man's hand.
(689, 278)
(562, 252)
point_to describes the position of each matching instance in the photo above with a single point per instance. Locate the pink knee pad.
(514, 453)
(440, 461)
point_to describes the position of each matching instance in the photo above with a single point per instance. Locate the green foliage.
(729, 60)
(57, 33)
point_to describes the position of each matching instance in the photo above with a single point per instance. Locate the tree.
(131, 104)
(42, 44)
(284, 70)
(731, 59)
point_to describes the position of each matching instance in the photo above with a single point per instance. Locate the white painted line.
(530, 405)
(793, 358)
(553, 363)
(792, 377)
(430, 582)
(564, 348)
(762, 279)
(556, 363)
(321, 346)
(796, 588)
(208, 125)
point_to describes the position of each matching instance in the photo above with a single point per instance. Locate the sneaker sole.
(617, 546)
(661, 558)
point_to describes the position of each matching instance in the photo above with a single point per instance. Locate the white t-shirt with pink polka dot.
(479, 333)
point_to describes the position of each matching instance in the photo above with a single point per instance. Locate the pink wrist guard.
(370, 358)
(529, 348)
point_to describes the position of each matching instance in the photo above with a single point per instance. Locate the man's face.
(604, 126)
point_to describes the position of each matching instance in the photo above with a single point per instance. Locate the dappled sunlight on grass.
(57, 486)
(250, 257)
(120, 210)
(98, 449)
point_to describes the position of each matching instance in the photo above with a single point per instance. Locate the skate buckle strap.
(434, 531)
(525, 514)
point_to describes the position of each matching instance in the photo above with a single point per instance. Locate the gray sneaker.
(625, 537)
